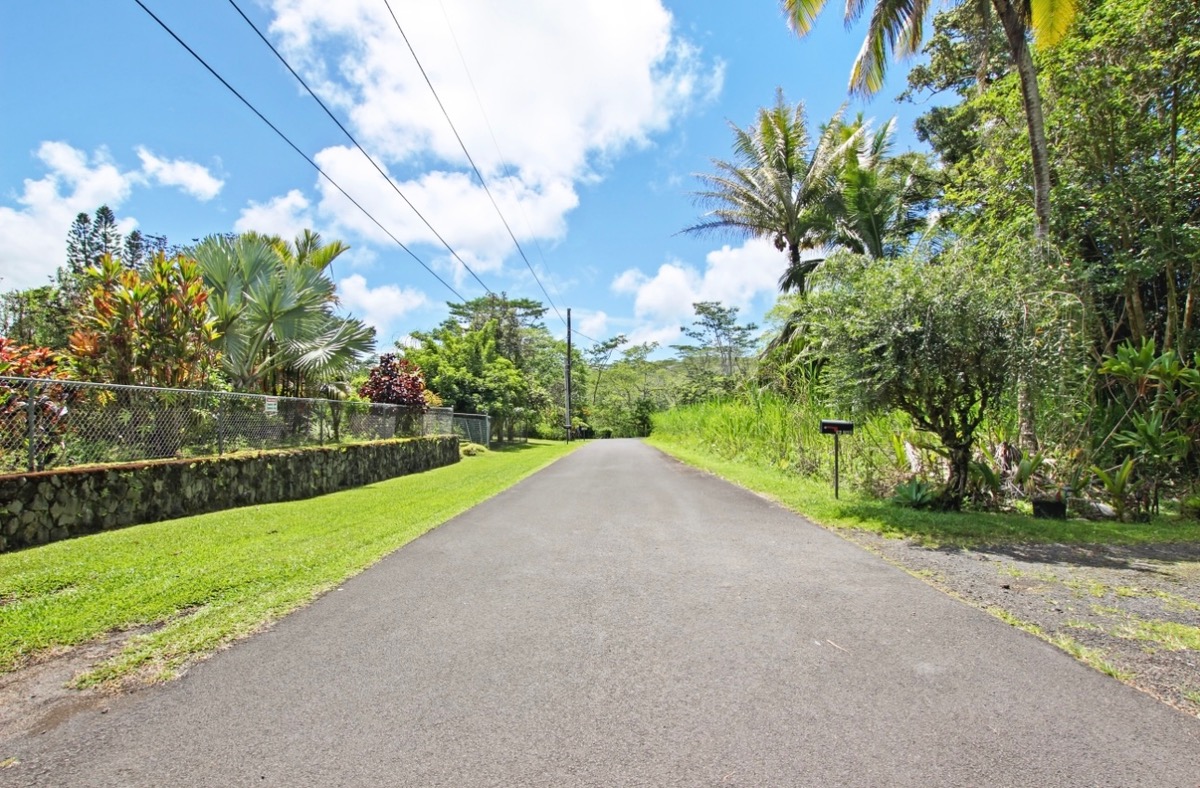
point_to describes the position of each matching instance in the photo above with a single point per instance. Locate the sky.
(588, 121)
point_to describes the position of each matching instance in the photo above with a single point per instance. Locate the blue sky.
(588, 120)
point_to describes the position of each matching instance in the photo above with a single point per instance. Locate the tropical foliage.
(778, 185)
(395, 381)
(900, 27)
(273, 309)
(150, 329)
(1003, 352)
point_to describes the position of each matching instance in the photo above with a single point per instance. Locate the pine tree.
(79, 244)
(106, 239)
(135, 250)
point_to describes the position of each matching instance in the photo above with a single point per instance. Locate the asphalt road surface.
(622, 620)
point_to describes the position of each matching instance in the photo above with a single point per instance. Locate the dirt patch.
(1130, 611)
(38, 697)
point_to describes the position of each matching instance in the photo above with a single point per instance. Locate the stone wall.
(41, 507)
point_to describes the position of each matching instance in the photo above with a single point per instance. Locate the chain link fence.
(474, 428)
(59, 423)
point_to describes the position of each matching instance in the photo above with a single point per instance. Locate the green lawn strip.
(206, 580)
(814, 499)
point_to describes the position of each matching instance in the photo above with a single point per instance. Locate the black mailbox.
(834, 427)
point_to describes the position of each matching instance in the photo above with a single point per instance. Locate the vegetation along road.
(621, 619)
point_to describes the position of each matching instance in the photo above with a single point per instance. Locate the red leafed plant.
(396, 381)
(46, 404)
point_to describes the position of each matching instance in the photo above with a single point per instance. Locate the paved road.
(622, 620)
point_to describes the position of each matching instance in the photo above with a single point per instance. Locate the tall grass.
(763, 429)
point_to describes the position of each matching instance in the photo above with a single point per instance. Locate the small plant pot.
(1049, 508)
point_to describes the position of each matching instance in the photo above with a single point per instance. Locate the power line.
(326, 175)
(585, 336)
(362, 150)
(505, 168)
(294, 147)
(478, 174)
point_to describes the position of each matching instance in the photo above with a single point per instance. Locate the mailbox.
(836, 429)
(833, 427)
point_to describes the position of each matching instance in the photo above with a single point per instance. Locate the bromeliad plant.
(1160, 422)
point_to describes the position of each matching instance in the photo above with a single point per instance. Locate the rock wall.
(46, 506)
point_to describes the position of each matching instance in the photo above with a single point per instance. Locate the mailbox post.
(836, 428)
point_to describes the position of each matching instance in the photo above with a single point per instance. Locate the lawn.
(198, 583)
(814, 499)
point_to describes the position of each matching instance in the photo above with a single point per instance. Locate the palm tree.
(275, 318)
(880, 199)
(899, 26)
(777, 187)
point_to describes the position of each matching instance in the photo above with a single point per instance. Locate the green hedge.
(46, 506)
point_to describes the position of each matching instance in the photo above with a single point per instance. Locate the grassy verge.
(200, 582)
(815, 500)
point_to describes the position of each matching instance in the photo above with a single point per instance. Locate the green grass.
(815, 500)
(198, 583)
(1168, 634)
(1090, 656)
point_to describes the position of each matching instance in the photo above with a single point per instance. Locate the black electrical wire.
(478, 174)
(350, 136)
(506, 169)
(293, 146)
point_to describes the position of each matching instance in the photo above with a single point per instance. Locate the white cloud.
(733, 276)
(451, 203)
(35, 235)
(285, 216)
(593, 324)
(192, 178)
(382, 307)
(565, 87)
(664, 336)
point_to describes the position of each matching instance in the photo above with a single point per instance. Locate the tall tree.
(717, 361)
(465, 368)
(134, 250)
(106, 238)
(882, 200)
(598, 359)
(517, 321)
(779, 186)
(900, 26)
(80, 251)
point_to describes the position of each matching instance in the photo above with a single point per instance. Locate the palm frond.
(802, 14)
(1050, 19)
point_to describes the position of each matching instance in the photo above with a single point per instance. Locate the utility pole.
(568, 374)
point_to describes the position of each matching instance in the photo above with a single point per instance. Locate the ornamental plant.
(397, 381)
(148, 329)
(47, 404)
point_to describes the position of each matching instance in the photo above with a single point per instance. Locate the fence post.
(220, 425)
(487, 430)
(31, 424)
